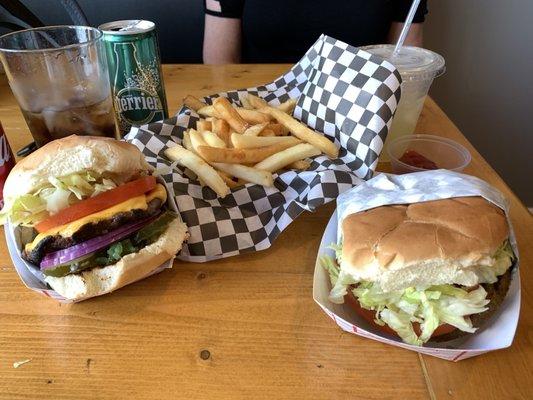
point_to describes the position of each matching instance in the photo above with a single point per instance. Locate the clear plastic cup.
(418, 67)
(446, 153)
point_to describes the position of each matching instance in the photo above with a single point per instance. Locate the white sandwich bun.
(429, 243)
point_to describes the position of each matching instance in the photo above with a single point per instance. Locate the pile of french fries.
(232, 146)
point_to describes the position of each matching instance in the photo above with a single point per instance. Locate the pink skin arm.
(222, 40)
(414, 37)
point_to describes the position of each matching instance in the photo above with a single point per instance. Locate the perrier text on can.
(135, 72)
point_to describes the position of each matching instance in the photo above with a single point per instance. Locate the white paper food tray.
(497, 333)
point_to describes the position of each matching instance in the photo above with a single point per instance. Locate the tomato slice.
(98, 203)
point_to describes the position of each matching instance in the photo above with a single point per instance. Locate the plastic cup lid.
(414, 63)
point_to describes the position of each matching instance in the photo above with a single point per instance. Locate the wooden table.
(244, 327)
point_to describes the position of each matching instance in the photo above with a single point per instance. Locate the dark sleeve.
(224, 8)
(401, 9)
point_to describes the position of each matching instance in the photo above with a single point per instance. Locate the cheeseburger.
(425, 271)
(91, 215)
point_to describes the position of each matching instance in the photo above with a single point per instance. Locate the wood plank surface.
(243, 327)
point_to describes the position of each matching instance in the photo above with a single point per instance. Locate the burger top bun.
(422, 244)
(70, 155)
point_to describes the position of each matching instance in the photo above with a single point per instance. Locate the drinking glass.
(58, 74)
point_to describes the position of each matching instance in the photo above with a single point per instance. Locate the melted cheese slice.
(135, 203)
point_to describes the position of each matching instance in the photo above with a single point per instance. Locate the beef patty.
(89, 231)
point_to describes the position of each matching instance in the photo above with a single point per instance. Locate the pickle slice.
(72, 267)
(151, 232)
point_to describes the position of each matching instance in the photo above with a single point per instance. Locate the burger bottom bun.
(130, 268)
(496, 293)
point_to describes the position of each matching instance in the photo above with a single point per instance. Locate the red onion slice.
(81, 249)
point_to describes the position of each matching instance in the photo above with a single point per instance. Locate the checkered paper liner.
(347, 93)
(497, 333)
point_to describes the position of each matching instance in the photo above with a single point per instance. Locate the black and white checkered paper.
(346, 93)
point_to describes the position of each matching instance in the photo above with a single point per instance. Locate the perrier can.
(135, 72)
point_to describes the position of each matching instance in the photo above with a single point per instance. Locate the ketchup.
(415, 159)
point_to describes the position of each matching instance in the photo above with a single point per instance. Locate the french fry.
(207, 111)
(197, 140)
(221, 129)
(224, 110)
(246, 103)
(300, 165)
(287, 156)
(187, 142)
(256, 102)
(193, 103)
(248, 174)
(253, 117)
(228, 181)
(203, 125)
(239, 156)
(287, 106)
(248, 142)
(267, 132)
(234, 145)
(278, 129)
(213, 140)
(303, 132)
(255, 129)
(202, 169)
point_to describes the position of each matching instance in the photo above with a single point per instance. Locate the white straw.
(406, 26)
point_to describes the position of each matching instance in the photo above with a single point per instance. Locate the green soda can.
(135, 72)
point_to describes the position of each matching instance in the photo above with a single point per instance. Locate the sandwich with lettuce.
(431, 271)
(90, 215)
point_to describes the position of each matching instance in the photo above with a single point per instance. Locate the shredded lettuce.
(25, 210)
(503, 259)
(401, 325)
(328, 263)
(118, 250)
(56, 195)
(339, 279)
(430, 306)
(115, 252)
(338, 251)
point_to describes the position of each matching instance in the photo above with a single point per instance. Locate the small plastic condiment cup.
(446, 153)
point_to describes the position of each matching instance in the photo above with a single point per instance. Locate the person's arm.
(414, 37)
(222, 32)
(400, 11)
